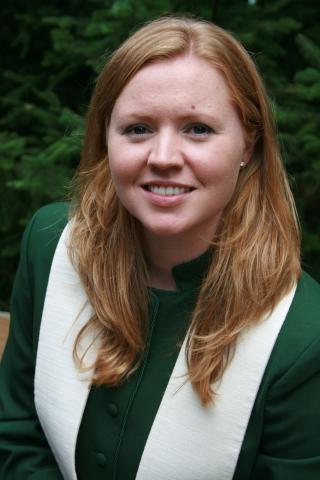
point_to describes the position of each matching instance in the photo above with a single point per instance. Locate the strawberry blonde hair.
(256, 252)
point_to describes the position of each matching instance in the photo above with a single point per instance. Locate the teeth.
(167, 190)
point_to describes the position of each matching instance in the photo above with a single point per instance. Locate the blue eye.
(137, 130)
(199, 129)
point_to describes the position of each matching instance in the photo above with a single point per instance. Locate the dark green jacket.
(281, 441)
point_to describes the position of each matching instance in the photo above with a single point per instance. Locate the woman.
(179, 338)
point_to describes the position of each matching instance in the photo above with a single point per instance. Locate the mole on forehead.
(193, 107)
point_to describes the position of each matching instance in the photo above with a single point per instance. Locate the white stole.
(186, 441)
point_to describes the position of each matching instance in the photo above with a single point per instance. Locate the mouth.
(167, 190)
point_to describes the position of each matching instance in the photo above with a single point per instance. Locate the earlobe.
(246, 158)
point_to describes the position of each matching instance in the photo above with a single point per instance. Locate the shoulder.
(53, 213)
(48, 222)
(44, 230)
(40, 240)
(38, 246)
(296, 353)
(306, 302)
(302, 324)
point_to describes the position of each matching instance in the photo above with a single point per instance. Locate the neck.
(164, 253)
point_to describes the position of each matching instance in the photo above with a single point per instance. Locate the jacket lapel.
(61, 391)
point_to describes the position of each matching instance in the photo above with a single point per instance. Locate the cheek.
(117, 172)
(221, 160)
(120, 164)
(220, 176)
(117, 168)
(125, 160)
(219, 171)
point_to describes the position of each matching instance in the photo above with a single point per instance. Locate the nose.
(165, 151)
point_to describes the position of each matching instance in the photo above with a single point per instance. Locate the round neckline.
(187, 275)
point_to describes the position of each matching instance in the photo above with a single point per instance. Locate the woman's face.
(175, 144)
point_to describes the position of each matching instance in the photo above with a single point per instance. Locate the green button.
(101, 459)
(112, 409)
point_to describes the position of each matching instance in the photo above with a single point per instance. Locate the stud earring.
(242, 165)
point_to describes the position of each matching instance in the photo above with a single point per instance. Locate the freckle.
(193, 107)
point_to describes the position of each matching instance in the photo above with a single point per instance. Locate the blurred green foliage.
(51, 53)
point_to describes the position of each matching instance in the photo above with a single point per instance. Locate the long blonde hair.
(256, 251)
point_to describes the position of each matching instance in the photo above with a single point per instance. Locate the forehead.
(180, 82)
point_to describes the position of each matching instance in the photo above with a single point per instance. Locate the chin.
(165, 230)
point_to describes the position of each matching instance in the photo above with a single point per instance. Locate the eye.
(199, 129)
(137, 130)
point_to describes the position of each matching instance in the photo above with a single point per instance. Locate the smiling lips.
(167, 190)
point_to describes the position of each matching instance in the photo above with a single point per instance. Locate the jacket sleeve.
(290, 443)
(24, 450)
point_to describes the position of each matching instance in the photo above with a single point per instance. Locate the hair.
(256, 251)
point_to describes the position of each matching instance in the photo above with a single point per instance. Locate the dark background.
(51, 52)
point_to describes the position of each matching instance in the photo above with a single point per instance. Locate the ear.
(247, 156)
(249, 148)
